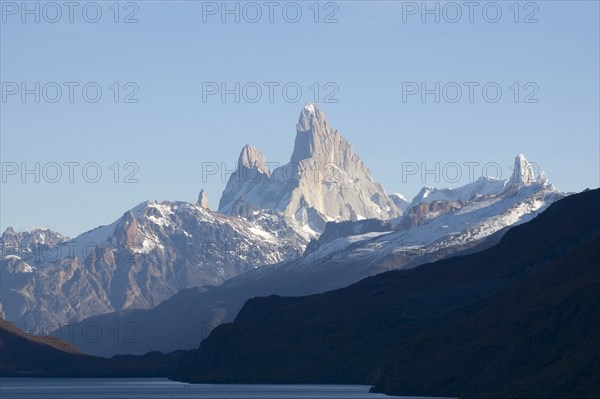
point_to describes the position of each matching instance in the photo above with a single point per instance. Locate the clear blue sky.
(372, 49)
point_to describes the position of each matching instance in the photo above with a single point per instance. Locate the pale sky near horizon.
(161, 124)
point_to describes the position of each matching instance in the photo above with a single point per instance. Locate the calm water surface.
(49, 388)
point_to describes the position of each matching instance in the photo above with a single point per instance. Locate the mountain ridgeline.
(342, 255)
(149, 254)
(156, 250)
(177, 270)
(520, 319)
(165, 274)
(312, 273)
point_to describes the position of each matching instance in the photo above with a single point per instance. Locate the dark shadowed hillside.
(538, 339)
(520, 314)
(25, 355)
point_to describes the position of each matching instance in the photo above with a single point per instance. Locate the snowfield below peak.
(465, 225)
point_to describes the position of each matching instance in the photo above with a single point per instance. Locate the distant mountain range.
(518, 320)
(151, 253)
(175, 270)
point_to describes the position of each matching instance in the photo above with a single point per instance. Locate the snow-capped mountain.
(265, 239)
(152, 252)
(456, 220)
(484, 186)
(523, 175)
(468, 219)
(27, 242)
(433, 202)
(325, 180)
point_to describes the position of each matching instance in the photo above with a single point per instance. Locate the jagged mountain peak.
(324, 181)
(11, 240)
(523, 173)
(315, 139)
(251, 158)
(252, 171)
(29, 231)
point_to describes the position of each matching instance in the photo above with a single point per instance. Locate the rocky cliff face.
(325, 180)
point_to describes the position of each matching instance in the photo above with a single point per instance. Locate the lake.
(144, 388)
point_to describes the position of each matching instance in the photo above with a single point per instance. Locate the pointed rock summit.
(324, 181)
(203, 200)
(318, 142)
(251, 171)
(314, 137)
(523, 173)
(323, 147)
(252, 158)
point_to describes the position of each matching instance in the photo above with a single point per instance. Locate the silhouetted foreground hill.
(540, 338)
(517, 320)
(25, 355)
